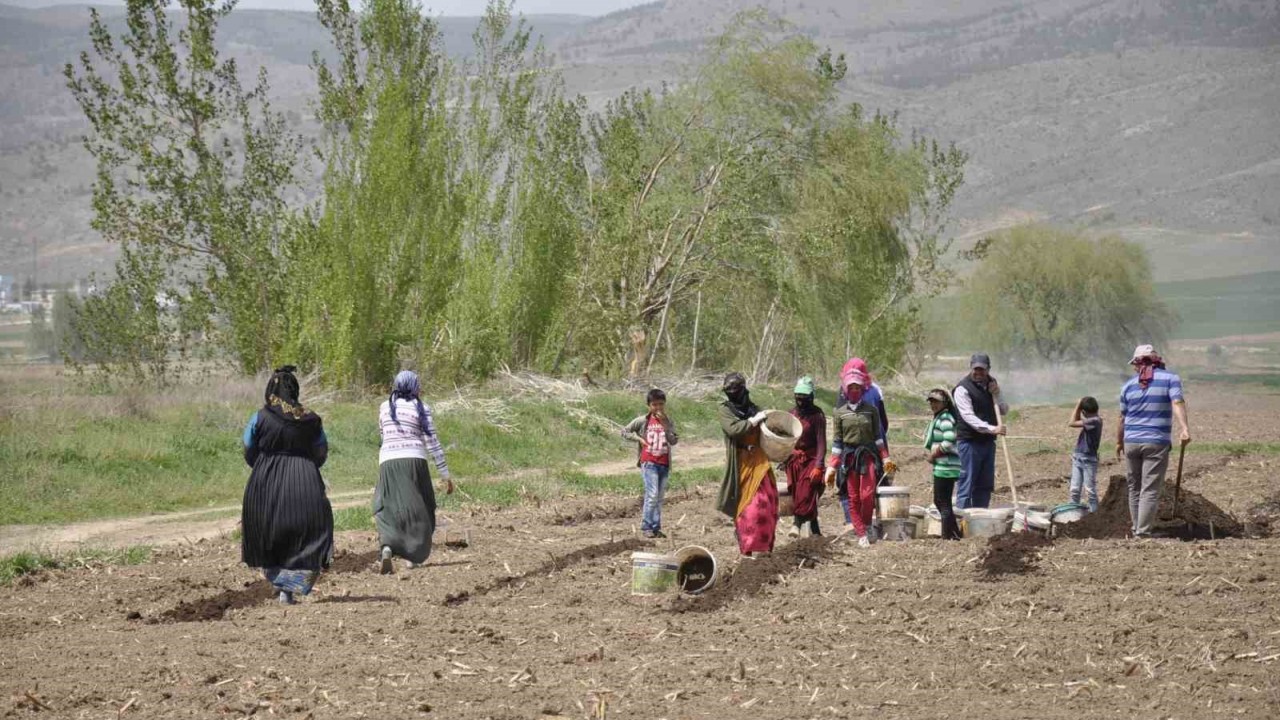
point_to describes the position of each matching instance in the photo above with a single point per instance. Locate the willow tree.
(1054, 295)
(745, 215)
(686, 181)
(192, 171)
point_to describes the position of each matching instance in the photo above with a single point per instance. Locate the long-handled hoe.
(1008, 465)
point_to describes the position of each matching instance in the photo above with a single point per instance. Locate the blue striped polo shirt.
(1148, 414)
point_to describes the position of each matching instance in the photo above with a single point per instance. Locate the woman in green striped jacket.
(940, 441)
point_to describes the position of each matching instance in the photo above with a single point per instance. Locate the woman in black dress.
(286, 520)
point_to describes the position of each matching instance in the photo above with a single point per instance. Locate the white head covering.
(1142, 351)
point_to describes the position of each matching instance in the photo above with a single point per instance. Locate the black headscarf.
(738, 397)
(282, 392)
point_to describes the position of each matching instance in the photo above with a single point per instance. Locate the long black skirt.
(404, 508)
(286, 520)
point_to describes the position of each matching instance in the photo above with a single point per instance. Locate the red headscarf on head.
(1147, 366)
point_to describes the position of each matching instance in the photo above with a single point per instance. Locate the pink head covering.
(859, 365)
(854, 377)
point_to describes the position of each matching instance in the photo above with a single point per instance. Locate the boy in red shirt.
(656, 435)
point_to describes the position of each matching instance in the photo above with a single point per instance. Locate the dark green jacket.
(736, 430)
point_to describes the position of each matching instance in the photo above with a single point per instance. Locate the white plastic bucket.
(778, 434)
(652, 573)
(893, 502)
(932, 523)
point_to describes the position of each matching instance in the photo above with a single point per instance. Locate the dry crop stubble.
(1098, 627)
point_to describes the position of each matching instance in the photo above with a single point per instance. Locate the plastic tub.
(696, 569)
(1068, 513)
(893, 502)
(987, 523)
(778, 434)
(652, 573)
(897, 529)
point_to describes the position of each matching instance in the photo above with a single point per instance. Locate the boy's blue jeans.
(1084, 474)
(655, 486)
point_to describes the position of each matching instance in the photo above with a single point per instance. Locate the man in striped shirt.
(1149, 402)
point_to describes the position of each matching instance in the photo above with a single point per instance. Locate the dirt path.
(192, 526)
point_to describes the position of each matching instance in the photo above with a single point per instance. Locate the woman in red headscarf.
(858, 454)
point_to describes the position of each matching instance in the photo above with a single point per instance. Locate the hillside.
(1155, 119)
(1224, 307)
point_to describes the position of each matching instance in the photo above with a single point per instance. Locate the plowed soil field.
(535, 618)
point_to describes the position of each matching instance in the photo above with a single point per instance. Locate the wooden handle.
(1008, 465)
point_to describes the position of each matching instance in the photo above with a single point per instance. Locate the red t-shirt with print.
(658, 452)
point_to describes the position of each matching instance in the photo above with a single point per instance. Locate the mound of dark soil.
(1193, 517)
(217, 606)
(749, 577)
(1012, 554)
(349, 562)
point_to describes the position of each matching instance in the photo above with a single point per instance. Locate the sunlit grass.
(26, 563)
(70, 453)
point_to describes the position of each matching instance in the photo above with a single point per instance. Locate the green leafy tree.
(1058, 296)
(450, 205)
(192, 171)
(809, 229)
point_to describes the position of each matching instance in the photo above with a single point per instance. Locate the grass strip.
(19, 564)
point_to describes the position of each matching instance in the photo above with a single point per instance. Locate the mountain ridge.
(1158, 120)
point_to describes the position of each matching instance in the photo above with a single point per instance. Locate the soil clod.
(1012, 554)
(350, 562)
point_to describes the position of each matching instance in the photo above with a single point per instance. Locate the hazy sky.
(437, 7)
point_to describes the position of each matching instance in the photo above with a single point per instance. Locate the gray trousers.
(1147, 467)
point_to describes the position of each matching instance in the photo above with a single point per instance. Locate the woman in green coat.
(749, 492)
(940, 441)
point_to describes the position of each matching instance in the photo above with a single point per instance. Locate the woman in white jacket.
(404, 502)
